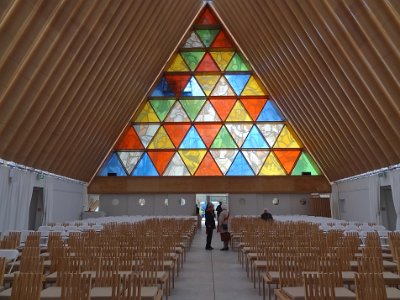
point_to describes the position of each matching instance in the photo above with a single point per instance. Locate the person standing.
(219, 208)
(223, 228)
(266, 215)
(210, 224)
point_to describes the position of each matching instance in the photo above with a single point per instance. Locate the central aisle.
(212, 274)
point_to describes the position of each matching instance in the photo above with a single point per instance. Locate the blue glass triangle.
(270, 113)
(238, 82)
(255, 139)
(162, 89)
(145, 167)
(192, 140)
(113, 167)
(192, 89)
(240, 167)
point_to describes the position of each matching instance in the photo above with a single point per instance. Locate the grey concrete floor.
(212, 275)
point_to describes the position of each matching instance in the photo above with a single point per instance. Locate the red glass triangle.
(177, 82)
(223, 106)
(207, 18)
(254, 106)
(287, 158)
(161, 159)
(208, 167)
(176, 132)
(130, 141)
(208, 132)
(221, 41)
(207, 64)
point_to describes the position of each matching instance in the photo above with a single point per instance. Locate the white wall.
(254, 204)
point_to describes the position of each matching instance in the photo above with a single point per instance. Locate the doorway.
(388, 213)
(201, 201)
(36, 209)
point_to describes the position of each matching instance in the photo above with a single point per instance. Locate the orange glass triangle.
(208, 167)
(208, 132)
(177, 82)
(207, 18)
(223, 106)
(176, 132)
(161, 159)
(287, 158)
(221, 41)
(130, 141)
(207, 64)
(254, 106)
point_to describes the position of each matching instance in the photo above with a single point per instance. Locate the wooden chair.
(319, 286)
(370, 265)
(370, 286)
(289, 272)
(32, 265)
(331, 265)
(26, 286)
(107, 266)
(126, 287)
(2, 271)
(75, 286)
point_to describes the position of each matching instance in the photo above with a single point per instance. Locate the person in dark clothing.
(219, 209)
(210, 224)
(267, 216)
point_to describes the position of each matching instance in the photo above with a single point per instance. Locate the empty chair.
(26, 286)
(319, 286)
(75, 286)
(370, 286)
(126, 287)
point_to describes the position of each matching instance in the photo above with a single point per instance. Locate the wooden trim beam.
(233, 185)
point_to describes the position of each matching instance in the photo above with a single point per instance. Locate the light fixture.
(182, 201)
(275, 201)
(115, 202)
(166, 201)
(142, 202)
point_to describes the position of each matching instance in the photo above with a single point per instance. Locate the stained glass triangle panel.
(208, 167)
(192, 89)
(255, 158)
(162, 89)
(178, 65)
(145, 167)
(208, 132)
(224, 140)
(208, 114)
(177, 114)
(252, 88)
(206, 18)
(222, 41)
(192, 158)
(193, 41)
(176, 167)
(192, 140)
(222, 58)
(255, 140)
(192, 58)
(270, 132)
(238, 131)
(112, 166)
(207, 35)
(129, 159)
(223, 88)
(192, 107)
(306, 164)
(237, 81)
(161, 140)
(240, 167)
(147, 115)
(270, 113)
(224, 158)
(177, 82)
(162, 107)
(286, 140)
(146, 132)
(207, 82)
(237, 63)
(272, 167)
(223, 106)
(287, 158)
(161, 159)
(176, 132)
(207, 64)
(130, 141)
(253, 106)
(238, 113)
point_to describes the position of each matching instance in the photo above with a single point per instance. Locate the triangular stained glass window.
(208, 115)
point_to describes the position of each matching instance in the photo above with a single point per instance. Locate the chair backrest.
(2, 269)
(75, 286)
(31, 264)
(26, 286)
(126, 287)
(289, 272)
(107, 266)
(331, 265)
(370, 286)
(370, 265)
(319, 286)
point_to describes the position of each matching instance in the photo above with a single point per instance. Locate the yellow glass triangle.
(252, 88)
(286, 140)
(147, 115)
(238, 113)
(192, 158)
(178, 65)
(161, 140)
(207, 82)
(272, 166)
(222, 58)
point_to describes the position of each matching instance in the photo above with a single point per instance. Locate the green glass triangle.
(237, 64)
(223, 140)
(192, 107)
(305, 164)
(162, 107)
(207, 35)
(192, 58)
